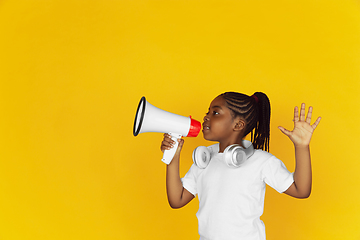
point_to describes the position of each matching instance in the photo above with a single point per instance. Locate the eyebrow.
(216, 107)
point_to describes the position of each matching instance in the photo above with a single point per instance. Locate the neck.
(223, 145)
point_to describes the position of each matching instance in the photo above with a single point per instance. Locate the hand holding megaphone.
(152, 119)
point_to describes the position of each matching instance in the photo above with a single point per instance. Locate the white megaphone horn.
(152, 119)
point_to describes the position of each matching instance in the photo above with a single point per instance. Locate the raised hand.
(303, 130)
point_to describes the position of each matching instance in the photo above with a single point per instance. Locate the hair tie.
(256, 98)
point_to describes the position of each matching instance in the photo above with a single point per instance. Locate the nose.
(206, 118)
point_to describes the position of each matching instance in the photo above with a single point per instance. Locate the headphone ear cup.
(234, 156)
(201, 156)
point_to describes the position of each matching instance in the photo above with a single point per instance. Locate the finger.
(308, 116)
(167, 138)
(302, 112)
(166, 145)
(296, 114)
(316, 123)
(167, 142)
(285, 131)
(181, 142)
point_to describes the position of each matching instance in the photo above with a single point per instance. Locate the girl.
(231, 199)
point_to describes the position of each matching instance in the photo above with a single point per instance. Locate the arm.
(301, 136)
(177, 195)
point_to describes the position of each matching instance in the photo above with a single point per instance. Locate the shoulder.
(259, 159)
(265, 159)
(268, 162)
(194, 171)
(262, 155)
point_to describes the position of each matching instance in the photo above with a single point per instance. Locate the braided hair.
(255, 110)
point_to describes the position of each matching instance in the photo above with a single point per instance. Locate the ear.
(239, 124)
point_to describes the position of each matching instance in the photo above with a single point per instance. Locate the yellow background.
(72, 74)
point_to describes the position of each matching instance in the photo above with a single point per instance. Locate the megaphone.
(152, 119)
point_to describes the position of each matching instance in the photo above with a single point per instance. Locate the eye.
(215, 113)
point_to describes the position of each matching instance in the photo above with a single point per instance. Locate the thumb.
(284, 131)
(181, 143)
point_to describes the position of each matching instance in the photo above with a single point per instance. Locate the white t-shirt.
(231, 200)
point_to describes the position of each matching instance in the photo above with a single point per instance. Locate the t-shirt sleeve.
(276, 175)
(189, 180)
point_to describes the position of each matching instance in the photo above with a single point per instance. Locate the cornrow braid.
(255, 110)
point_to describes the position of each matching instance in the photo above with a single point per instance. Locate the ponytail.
(255, 110)
(261, 136)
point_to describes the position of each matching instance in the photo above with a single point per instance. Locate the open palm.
(303, 130)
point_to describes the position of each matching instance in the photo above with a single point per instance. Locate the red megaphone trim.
(195, 127)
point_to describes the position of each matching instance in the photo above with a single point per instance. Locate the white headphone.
(234, 155)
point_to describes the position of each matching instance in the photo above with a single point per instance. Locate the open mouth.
(206, 128)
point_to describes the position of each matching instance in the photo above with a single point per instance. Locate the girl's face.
(218, 123)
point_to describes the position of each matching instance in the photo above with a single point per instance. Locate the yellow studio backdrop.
(72, 74)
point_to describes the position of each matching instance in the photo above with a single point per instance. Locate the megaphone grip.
(169, 154)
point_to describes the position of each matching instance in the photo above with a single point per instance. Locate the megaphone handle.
(169, 154)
